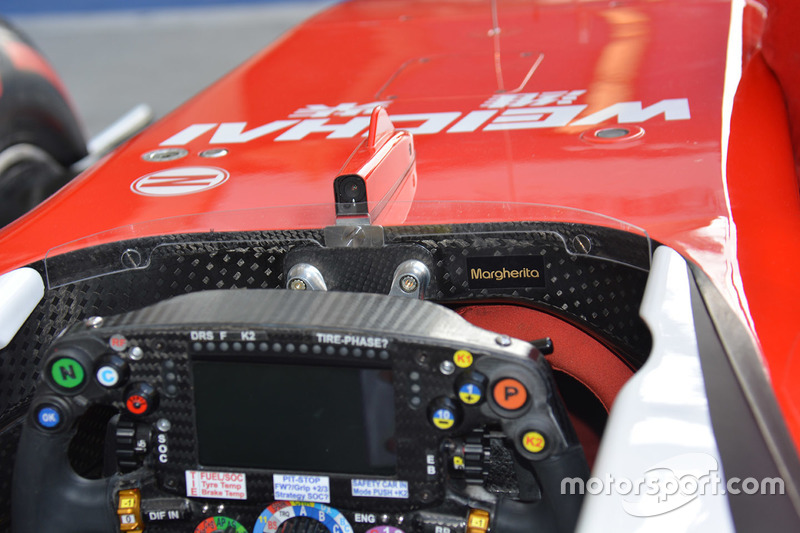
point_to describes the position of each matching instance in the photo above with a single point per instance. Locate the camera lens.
(352, 189)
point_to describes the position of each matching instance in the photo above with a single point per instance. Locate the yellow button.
(477, 521)
(443, 418)
(127, 502)
(443, 423)
(129, 512)
(533, 441)
(463, 359)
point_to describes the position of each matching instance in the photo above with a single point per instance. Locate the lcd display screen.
(298, 417)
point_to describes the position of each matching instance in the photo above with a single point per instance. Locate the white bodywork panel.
(21, 291)
(659, 435)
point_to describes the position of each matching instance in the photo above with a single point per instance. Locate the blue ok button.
(49, 417)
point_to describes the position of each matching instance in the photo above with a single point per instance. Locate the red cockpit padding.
(575, 352)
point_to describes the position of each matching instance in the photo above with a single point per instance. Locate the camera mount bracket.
(381, 169)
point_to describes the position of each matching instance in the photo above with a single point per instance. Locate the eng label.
(379, 488)
(302, 488)
(206, 484)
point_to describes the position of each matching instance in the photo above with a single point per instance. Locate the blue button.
(443, 418)
(470, 393)
(49, 417)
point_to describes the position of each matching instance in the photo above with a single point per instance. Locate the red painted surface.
(737, 219)
(766, 209)
(423, 57)
(781, 46)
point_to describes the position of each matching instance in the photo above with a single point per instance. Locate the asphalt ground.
(84, 6)
(114, 59)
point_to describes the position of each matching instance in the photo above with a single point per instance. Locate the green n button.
(67, 373)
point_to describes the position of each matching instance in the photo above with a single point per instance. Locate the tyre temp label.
(226, 485)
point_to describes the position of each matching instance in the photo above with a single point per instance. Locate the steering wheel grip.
(49, 496)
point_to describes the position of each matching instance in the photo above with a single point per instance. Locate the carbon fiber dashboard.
(598, 291)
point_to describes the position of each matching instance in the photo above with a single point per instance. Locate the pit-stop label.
(206, 484)
(379, 488)
(302, 488)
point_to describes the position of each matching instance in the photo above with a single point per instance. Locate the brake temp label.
(302, 488)
(207, 484)
(379, 488)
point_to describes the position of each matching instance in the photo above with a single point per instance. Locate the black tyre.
(40, 137)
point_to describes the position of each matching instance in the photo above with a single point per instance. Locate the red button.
(510, 394)
(136, 404)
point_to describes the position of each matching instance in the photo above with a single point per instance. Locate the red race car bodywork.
(706, 168)
(660, 118)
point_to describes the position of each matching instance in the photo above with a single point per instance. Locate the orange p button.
(510, 394)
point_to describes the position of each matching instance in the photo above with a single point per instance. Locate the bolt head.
(165, 154)
(213, 153)
(447, 367)
(297, 285)
(94, 322)
(409, 283)
(503, 340)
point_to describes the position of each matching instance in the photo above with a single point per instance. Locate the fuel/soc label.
(504, 272)
(207, 484)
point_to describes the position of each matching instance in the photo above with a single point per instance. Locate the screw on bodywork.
(612, 133)
(165, 154)
(136, 353)
(131, 258)
(353, 236)
(94, 322)
(214, 153)
(582, 244)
